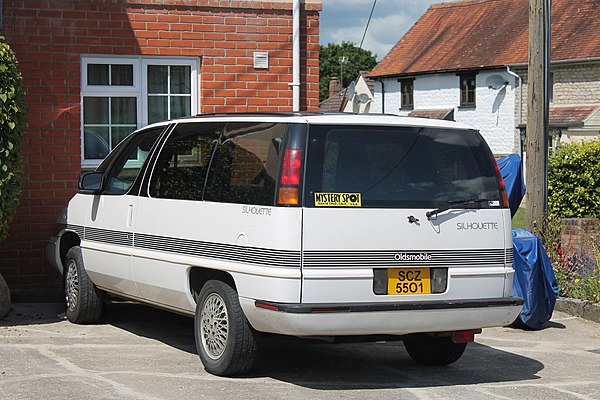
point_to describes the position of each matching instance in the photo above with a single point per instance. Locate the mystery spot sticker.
(337, 200)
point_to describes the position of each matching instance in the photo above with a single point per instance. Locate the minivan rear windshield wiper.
(453, 204)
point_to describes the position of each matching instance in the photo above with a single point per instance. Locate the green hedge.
(12, 120)
(574, 180)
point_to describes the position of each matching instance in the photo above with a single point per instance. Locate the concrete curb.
(5, 304)
(579, 308)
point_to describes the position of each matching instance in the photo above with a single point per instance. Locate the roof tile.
(472, 34)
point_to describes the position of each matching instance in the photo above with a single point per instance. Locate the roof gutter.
(441, 71)
(563, 62)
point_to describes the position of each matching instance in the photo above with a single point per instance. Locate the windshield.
(400, 167)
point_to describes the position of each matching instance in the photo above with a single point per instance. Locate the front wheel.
(224, 339)
(433, 350)
(84, 300)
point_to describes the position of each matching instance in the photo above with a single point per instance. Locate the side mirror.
(91, 183)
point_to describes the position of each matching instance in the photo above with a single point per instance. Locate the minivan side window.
(244, 169)
(181, 168)
(130, 161)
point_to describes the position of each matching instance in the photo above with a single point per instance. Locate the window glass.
(110, 74)
(169, 92)
(467, 90)
(180, 79)
(95, 140)
(407, 88)
(130, 160)
(158, 79)
(180, 107)
(97, 74)
(400, 166)
(158, 109)
(95, 110)
(244, 169)
(120, 94)
(181, 168)
(123, 110)
(121, 75)
(107, 121)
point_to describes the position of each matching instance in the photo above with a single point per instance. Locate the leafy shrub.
(12, 120)
(574, 180)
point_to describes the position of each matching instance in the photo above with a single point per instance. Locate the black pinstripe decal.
(287, 258)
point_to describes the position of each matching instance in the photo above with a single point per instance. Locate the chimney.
(334, 86)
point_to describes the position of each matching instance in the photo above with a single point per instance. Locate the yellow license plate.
(409, 281)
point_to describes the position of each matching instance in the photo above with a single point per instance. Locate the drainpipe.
(520, 92)
(296, 57)
(520, 104)
(382, 95)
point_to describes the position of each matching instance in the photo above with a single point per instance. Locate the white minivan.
(304, 224)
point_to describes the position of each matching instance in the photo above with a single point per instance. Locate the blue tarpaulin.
(512, 173)
(534, 279)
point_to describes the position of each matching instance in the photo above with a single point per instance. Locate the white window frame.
(139, 90)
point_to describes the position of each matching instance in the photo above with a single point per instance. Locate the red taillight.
(266, 306)
(292, 161)
(289, 180)
(463, 337)
(504, 196)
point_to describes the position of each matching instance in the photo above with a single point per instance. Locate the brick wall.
(49, 37)
(580, 236)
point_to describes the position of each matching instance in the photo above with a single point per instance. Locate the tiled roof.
(332, 104)
(570, 116)
(574, 116)
(445, 113)
(472, 34)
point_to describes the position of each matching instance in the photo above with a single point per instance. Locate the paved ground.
(142, 353)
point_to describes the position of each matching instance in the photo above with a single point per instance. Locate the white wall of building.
(494, 115)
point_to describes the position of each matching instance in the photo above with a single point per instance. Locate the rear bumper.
(399, 318)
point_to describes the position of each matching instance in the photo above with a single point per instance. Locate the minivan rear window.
(400, 167)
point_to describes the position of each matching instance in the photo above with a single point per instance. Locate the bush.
(574, 181)
(12, 120)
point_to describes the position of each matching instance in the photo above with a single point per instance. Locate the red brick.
(50, 37)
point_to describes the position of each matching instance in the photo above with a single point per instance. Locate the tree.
(12, 120)
(329, 60)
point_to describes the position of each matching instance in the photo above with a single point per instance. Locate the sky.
(345, 20)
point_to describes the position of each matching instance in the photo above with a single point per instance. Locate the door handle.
(129, 215)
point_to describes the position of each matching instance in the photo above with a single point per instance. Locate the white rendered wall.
(494, 115)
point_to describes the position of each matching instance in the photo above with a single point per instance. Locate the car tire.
(433, 350)
(225, 341)
(83, 300)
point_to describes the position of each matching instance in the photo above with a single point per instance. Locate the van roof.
(323, 118)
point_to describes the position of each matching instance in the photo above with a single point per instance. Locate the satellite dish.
(363, 98)
(350, 90)
(496, 82)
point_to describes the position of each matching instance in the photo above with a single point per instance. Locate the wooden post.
(537, 115)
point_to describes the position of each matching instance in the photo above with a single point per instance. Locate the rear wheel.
(433, 350)
(224, 339)
(84, 300)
